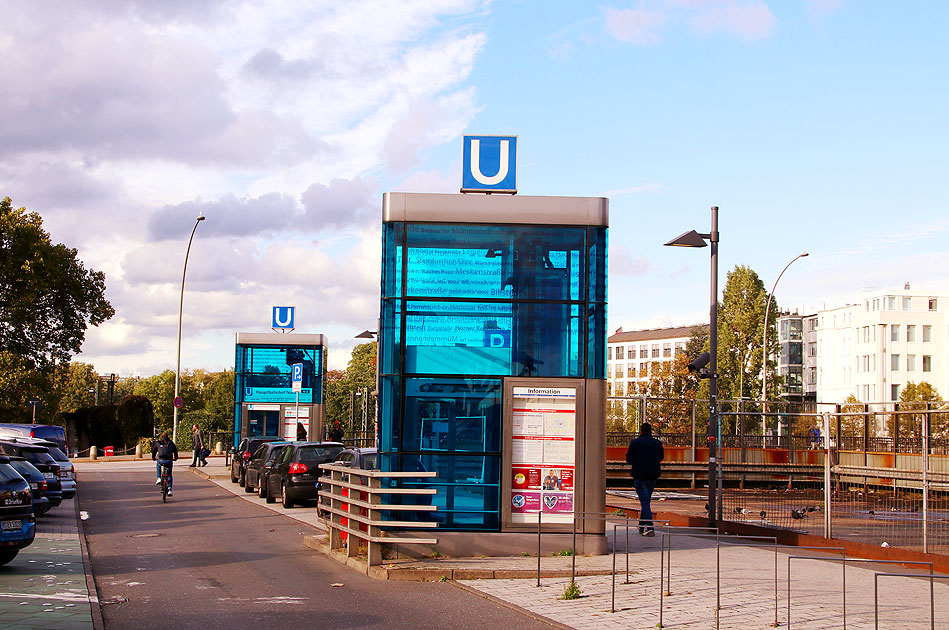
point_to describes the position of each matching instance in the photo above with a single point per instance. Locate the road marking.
(62, 597)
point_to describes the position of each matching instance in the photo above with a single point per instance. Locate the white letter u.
(476, 164)
(278, 316)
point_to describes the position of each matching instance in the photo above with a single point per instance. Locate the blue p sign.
(497, 338)
(296, 377)
(283, 317)
(489, 164)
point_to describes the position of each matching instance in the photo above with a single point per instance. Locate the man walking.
(197, 444)
(644, 456)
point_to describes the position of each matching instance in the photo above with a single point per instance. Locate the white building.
(871, 349)
(630, 354)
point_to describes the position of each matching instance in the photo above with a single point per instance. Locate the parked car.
(67, 472)
(17, 522)
(38, 456)
(258, 468)
(49, 432)
(247, 447)
(364, 458)
(34, 477)
(295, 475)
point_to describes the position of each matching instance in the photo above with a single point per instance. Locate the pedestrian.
(813, 436)
(164, 452)
(644, 456)
(197, 445)
(301, 432)
(336, 435)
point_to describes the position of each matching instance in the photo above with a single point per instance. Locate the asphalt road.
(208, 559)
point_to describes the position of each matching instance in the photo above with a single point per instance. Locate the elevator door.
(263, 423)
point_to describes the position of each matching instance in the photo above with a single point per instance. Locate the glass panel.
(498, 262)
(318, 453)
(468, 489)
(392, 259)
(389, 337)
(262, 374)
(452, 415)
(390, 405)
(523, 339)
(596, 340)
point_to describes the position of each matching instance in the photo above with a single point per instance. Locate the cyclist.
(164, 452)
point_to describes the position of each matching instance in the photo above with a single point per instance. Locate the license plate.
(49, 475)
(11, 525)
(35, 486)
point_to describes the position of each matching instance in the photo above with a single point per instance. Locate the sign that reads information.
(543, 454)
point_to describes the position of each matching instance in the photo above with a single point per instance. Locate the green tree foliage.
(360, 378)
(916, 396)
(852, 418)
(160, 390)
(20, 381)
(740, 332)
(335, 398)
(76, 383)
(47, 296)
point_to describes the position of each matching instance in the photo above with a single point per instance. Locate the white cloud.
(635, 26)
(749, 20)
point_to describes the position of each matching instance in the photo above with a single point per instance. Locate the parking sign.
(296, 377)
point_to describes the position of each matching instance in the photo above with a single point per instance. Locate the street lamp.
(181, 301)
(764, 348)
(695, 239)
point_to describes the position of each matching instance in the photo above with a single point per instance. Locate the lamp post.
(181, 301)
(764, 350)
(695, 239)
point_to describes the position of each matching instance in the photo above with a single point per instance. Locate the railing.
(351, 503)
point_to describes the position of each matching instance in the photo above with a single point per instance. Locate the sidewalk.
(740, 577)
(49, 584)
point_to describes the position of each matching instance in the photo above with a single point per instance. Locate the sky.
(814, 125)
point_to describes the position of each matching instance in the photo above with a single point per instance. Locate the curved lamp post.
(764, 346)
(181, 301)
(695, 239)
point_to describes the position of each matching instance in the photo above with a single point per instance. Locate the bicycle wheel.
(164, 491)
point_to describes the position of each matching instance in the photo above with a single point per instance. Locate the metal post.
(828, 504)
(693, 441)
(181, 302)
(538, 546)
(926, 428)
(714, 430)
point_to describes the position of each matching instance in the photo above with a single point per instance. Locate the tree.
(852, 418)
(160, 390)
(674, 387)
(916, 396)
(740, 331)
(19, 382)
(76, 383)
(360, 378)
(47, 296)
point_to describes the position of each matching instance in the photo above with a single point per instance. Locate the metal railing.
(351, 503)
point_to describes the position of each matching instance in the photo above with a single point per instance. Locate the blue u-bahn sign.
(489, 164)
(283, 317)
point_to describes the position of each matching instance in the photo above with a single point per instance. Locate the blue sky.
(815, 125)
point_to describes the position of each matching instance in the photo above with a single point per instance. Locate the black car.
(258, 468)
(248, 447)
(17, 523)
(34, 477)
(38, 456)
(50, 432)
(363, 458)
(296, 473)
(67, 472)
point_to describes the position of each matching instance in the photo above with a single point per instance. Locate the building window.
(932, 304)
(619, 353)
(895, 391)
(619, 389)
(667, 350)
(655, 351)
(812, 323)
(680, 347)
(631, 370)
(906, 303)
(812, 349)
(894, 332)
(609, 353)
(618, 373)
(812, 376)
(876, 304)
(643, 352)
(910, 362)
(927, 333)
(890, 303)
(866, 334)
(643, 370)
(609, 388)
(895, 362)
(927, 363)
(910, 332)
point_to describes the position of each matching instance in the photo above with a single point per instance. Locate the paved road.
(210, 559)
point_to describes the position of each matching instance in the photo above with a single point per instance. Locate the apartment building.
(873, 348)
(630, 355)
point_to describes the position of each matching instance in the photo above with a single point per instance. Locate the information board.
(543, 454)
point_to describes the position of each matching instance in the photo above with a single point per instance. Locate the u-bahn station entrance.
(265, 403)
(492, 358)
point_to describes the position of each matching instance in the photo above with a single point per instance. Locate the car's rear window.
(49, 433)
(25, 468)
(369, 462)
(8, 474)
(57, 454)
(38, 457)
(319, 453)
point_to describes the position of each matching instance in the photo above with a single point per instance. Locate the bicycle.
(165, 474)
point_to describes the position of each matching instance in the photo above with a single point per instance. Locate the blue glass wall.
(464, 305)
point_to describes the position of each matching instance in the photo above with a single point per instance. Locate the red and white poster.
(543, 454)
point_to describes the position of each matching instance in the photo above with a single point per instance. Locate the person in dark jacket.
(164, 451)
(336, 435)
(197, 445)
(644, 456)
